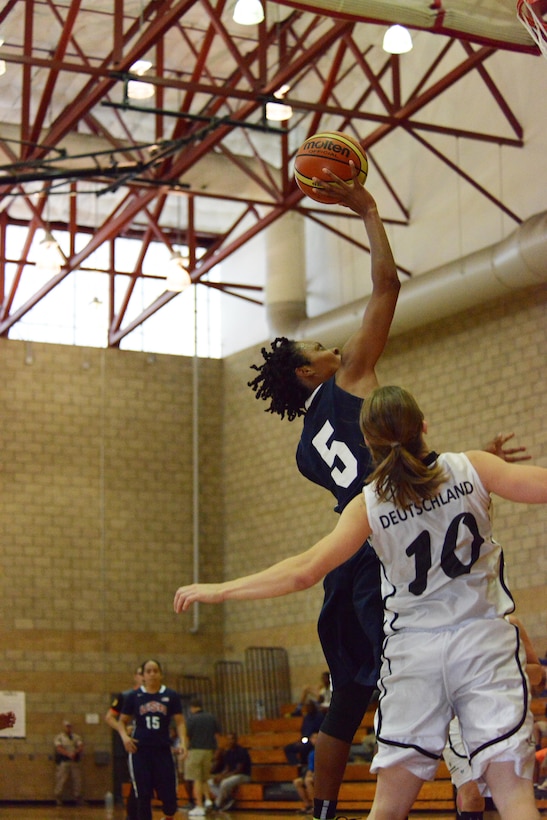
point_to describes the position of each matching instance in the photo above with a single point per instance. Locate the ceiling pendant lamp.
(279, 111)
(137, 90)
(248, 12)
(397, 40)
(178, 278)
(49, 254)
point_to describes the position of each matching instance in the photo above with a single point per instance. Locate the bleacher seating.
(266, 742)
(271, 786)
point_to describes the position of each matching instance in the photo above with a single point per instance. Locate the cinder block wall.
(96, 509)
(96, 499)
(474, 374)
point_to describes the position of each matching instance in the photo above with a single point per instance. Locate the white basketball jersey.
(440, 563)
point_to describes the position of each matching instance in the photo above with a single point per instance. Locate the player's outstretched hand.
(509, 454)
(353, 193)
(205, 593)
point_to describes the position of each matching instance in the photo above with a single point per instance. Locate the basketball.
(333, 150)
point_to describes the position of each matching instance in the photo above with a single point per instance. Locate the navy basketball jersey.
(331, 451)
(152, 713)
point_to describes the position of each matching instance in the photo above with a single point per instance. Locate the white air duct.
(516, 262)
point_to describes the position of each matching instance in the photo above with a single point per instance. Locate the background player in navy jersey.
(327, 387)
(448, 646)
(152, 707)
(120, 770)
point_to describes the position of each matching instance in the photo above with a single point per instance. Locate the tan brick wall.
(96, 497)
(96, 505)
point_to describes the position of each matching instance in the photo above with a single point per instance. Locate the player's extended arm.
(292, 574)
(515, 482)
(181, 732)
(111, 718)
(361, 352)
(130, 744)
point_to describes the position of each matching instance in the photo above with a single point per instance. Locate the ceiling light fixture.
(279, 112)
(137, 90)
(248, 12)
(397, 40)
(178, 278)
(49, 254)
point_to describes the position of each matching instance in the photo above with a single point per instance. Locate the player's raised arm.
(516, 482)
(363, 349)
(292, 574)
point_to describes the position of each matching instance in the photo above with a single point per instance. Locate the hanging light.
(137, 90)
(248, 12)
(279, 112)
(49, 254)
(178, 278)
(397, 40)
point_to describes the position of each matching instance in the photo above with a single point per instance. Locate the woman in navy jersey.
(151, 708)
(448, 647)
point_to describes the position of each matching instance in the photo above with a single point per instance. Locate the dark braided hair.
(278, 381)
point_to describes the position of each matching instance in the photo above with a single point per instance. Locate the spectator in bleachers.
(236, 769)
(304, 783)
(297, 752)
(321, 694)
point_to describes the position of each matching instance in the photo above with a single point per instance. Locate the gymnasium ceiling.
(198, 163)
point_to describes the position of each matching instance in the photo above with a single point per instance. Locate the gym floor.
(37, 811)
(29, 811)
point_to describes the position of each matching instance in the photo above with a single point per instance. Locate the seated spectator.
(304, 783)
(297, 753)
(366, 748)
(321, 695)
(540, 768)
(540, 790)
(236, 769)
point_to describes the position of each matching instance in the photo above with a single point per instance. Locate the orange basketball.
(333, 150)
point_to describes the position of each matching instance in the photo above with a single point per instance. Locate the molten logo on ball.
(321, 144)
(332, 150)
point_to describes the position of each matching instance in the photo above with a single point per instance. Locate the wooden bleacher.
(266, 741)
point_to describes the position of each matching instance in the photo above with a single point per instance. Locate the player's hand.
(130, 745)
(352, 193)
(510, 454)
(205, 593)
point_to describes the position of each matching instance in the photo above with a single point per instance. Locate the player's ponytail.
(392, 424)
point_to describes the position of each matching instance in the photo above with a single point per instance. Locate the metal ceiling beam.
(244, 93)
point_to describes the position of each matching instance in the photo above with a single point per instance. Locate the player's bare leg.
(512, 795)
(396, 791)
(331, 757)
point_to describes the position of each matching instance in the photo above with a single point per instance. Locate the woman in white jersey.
(448, 648)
